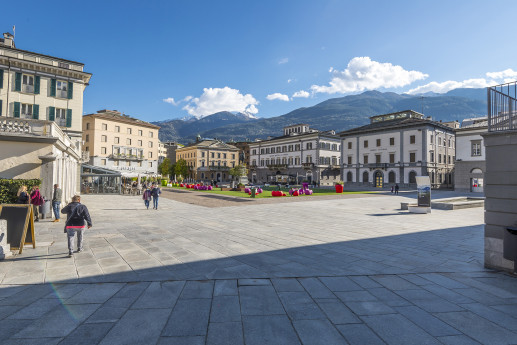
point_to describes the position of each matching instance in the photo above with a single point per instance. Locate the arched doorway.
(349, 176)
(379, 179)
(365, 177)
(309, 177)
(218, 179)
(412, 177)
(391, 177)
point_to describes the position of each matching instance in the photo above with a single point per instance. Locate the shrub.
(9, 188)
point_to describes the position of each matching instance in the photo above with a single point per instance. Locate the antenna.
(14, 31)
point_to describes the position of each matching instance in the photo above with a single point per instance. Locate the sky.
(159, 60)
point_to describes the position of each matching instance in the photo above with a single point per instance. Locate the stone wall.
(462, 174)
(501, 194)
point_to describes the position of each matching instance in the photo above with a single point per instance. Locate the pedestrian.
(392, 188)
(397, 189)
(77, 214)
(155, 192)
(56, 201)
(147, 197)
(36, 201)
(23, 196)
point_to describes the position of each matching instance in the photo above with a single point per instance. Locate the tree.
(181, 168)
(164, 167)
(238, 171)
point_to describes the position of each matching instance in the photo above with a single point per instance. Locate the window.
(308, 159)
(412, 139)
(26, 111)
(116, 163)
(378, 142)
(103, 150)
(151, 164)
(392, 141)
(476, 148)
(224, 155)
(297, 147)
(212, 155)
(392, 158)
(104, 126)
(349, 145)
(431, 156)
(117, 140)
(62, 89)
(218, 155)
(432, 138)
(87, 149)
(349, 159)
(412, 157)
(60, 117)
(140, 163)
(128, 163)
(365, 159)
(87, 139)
(140, 143)
(439, 141)
(129, 131)
(378, 159)
(104, 138)
(309, 146)
(150, 154)
(253, 152)
(366, 143)
(150, 144)
(233, 155)
(439, 158)
(140, 132)
(151, 134)
(103, 162)
(88, 125)
(128, 141)
(28, 83)
(117, 129)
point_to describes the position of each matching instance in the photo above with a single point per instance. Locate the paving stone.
(337, 312)
(259, 300)
(225, 309)
(394, 282)
(389, 297)
(426, 321)
(36, 310)
(11, 327)
(138, 327)
(106, 314)
(159, 295)
(355, 296)
(339, 284)
(225, 333)
(510, 309)
(96, 293)
(254, 282)
(197, 340)
(226, 287)
(188, 318)
(198, 289)
(87, 334)
(6, 310)
(365, 282)
(27, 296)
(316, 288)
(396, 329)
(457, 340)
(443, 281)
(318, 332)
(359, 334)
(369, 308)
(300, 306)
(40, 341)
(268, 329)
(428, 301)
(286, 284)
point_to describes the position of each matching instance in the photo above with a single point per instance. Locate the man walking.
(77, 214)
(56, 201)
(155, 192)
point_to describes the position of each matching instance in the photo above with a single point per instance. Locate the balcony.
(218, 168)
(126, 157)
(307, 165)
(502, 107)
(277, 166)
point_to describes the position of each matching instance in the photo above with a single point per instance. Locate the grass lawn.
(267, 192)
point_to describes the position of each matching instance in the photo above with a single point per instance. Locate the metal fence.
(502, 107)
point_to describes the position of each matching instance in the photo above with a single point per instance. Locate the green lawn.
(267, 192)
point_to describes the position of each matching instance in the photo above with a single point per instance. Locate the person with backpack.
(36, 201)
(77, 214)
(155, 192)
(147, 197)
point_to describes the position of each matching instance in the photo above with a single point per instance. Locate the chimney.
(8, 40)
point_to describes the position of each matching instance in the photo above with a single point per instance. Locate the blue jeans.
(146, 202)
(56, 205)
(155, 202)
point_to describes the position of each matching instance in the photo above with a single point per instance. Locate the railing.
(308, 165)
(502, 107)
(126, 157)
(277, 166)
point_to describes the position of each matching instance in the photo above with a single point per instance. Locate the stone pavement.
(344, 271)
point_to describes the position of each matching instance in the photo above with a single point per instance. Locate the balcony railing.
(502, 107)
(277, 166)
(308, 165)
(123, 156)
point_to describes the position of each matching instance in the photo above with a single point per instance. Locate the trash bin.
(45, 209)
(253, 192)
(510, 246)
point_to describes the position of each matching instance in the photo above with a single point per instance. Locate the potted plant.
(339, 187)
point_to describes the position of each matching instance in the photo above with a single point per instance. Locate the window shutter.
(53, 87)
(18, 82)
(1, 78)
(36, 85)
(51, 113)
(35, 111)
(16, 112)
(70, 89)
(69, 117)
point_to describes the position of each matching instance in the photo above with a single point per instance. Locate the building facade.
(470, 163)
(301, 154)
(119, 142)
(209, 160)
(397, 147)
(162, 152)
(41, 102)
(171, 147)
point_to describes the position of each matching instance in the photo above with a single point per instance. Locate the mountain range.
(338, 114)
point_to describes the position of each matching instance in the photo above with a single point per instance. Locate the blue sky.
(206, 56)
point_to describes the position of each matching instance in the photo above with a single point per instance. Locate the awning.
(129, 174)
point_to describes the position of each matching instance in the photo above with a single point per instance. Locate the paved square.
(351, 270)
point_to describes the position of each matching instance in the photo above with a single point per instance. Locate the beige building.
(116, 141)
(209, 160)
(162, 152)
(41, 102)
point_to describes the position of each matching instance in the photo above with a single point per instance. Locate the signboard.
(423, 185)
(20, 225)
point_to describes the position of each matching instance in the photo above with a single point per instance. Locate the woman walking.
(36, 201)
(147, 197)
(23, 196)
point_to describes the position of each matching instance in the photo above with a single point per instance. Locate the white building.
(301, 154)
(41, 102)
(470, 155)
(397, 147)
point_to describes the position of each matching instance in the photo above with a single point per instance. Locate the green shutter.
(52, 87)
(1, 78)
(70, 89)
(69, 117)
(36, 85)
(51, 113)
(16, 112)
(35, 111)
(18, 82)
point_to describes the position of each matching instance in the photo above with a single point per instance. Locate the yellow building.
(116, 141)
(209, 160)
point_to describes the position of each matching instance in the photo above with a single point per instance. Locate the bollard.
(253, 192)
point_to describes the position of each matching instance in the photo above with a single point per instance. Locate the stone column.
(5, 249)
(500, 193)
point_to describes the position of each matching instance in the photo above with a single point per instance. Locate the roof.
(394, 124)
(118, 117)
(297, 135)
(209, 143)
(50, 56)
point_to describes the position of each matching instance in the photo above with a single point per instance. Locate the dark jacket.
(155, 192)
(23, 198)
(57, 195)
(79, 216)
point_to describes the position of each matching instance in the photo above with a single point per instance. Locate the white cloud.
(362, 73)
(301, 94)
(449, 85)
(289, 81)
(188, 98)
(283, 60)
(214, 100)
(278, 96)
(170, 100)
(507, 73)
